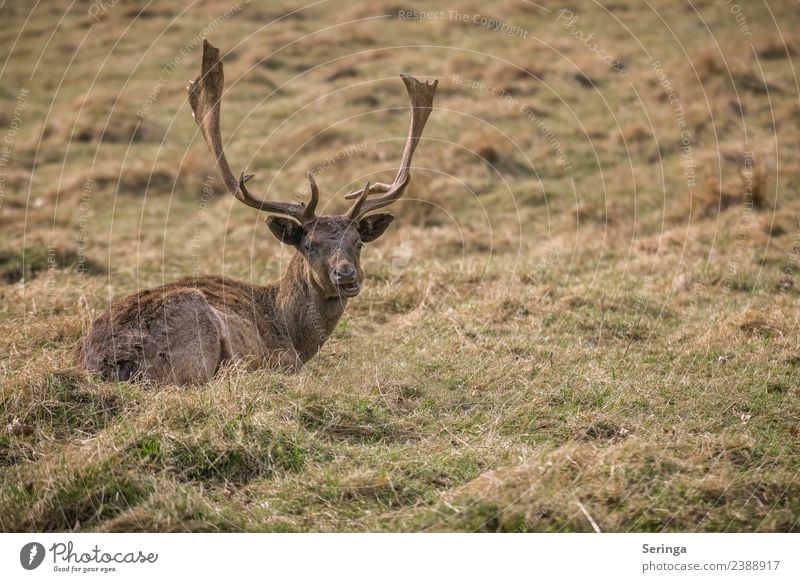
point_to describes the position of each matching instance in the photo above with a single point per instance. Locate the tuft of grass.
(214, 461)
(60, 404)
(356, 420)
(547, 494)
(83, 496)
(32, 261)
(102, 118)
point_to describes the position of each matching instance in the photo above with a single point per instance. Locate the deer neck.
(308, 315)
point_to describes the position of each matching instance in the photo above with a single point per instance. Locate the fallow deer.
(184, 331)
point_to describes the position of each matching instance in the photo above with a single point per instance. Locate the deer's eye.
(360, 245)
(310, 248)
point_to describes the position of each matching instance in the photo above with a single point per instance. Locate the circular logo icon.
(31, 555)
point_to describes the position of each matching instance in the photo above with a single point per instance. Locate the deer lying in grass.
(182, 332)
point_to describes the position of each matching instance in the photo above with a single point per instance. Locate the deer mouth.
(349, 289)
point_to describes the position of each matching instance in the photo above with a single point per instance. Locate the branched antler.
(421, 94)
(205, 97)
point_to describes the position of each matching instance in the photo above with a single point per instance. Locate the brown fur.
(184, 331)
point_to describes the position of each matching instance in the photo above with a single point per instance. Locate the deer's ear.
(285, 230)
(373, 226)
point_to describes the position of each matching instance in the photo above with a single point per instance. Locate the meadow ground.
(586, 306)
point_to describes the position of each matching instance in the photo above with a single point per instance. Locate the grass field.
(585, 311)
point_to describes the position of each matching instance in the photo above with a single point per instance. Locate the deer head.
(330, 244)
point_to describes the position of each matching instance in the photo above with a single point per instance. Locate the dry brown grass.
(559, 319)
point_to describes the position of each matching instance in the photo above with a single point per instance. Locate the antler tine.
(205, 97)
(355, 209)
(312, 204)
(421, 95)
(376, 188)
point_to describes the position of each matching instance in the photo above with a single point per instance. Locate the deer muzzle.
(345, 278)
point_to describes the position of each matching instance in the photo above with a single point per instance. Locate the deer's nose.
(343, 274)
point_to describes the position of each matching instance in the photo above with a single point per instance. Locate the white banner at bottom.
(354, 557)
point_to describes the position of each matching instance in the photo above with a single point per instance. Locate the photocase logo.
(31, 555)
